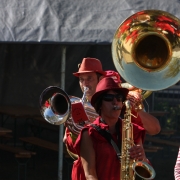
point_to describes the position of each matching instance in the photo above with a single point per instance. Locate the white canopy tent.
(73, 28)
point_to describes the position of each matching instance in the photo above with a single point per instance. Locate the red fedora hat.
(105, 85)
(90, 65)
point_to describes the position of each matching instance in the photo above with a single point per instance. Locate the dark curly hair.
(98, 103)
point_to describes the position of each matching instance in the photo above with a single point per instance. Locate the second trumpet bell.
(55, 105)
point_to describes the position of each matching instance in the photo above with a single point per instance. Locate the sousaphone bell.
(146, 50)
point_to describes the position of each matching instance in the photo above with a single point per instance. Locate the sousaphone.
(146, 50)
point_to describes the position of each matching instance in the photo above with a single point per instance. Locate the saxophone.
(131, 169)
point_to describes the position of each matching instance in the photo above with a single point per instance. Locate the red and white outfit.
(177, 167)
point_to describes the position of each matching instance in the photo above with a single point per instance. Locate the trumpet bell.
(146, 50)
(55, 105)
(57, 108)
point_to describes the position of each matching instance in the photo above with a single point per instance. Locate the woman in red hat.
(141, 117)
(97, 157)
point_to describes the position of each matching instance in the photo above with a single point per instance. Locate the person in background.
(90, 72)
(97, 157)
(141, 118)
(177, 167)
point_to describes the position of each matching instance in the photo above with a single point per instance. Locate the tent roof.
(70, 21)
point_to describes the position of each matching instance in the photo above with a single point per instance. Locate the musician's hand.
(137, 152)
(65, 136)
(135, 99)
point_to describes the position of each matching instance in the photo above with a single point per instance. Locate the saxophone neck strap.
(108, 137)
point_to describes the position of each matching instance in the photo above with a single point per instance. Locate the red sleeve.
(138, 133)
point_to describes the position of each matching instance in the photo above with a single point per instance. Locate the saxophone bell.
(143, 170)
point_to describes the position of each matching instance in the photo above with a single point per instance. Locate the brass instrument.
(144, 93)
(55, 105)
(56, 108)
(131, 169)
(145, 50)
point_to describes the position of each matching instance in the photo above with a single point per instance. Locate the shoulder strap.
(108, 137)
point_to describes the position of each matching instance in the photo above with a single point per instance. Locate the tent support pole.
(61, 127)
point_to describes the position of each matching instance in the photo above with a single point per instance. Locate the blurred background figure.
(177, 167)
(90, 72)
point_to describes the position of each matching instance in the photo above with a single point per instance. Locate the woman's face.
(111, 105)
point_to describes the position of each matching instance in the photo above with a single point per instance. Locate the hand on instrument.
(137, 152)
(135, 99)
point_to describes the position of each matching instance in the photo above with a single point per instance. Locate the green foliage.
(173, 114)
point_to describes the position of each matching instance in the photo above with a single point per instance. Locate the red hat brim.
(124, 91)
(78, 73)
(90, 65)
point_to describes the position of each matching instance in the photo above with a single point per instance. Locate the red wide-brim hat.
(90, 65)
(107, 84)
